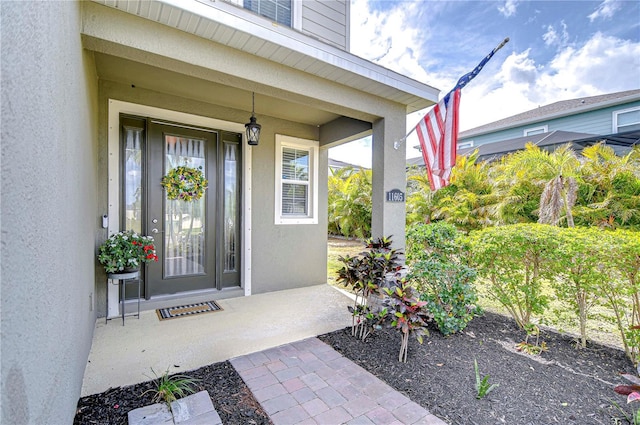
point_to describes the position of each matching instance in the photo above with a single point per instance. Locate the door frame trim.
(117, 107)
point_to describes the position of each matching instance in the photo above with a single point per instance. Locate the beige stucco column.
(388, 218)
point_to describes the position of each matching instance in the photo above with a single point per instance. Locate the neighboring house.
(335, 165)
(100, 98)
(613, 118)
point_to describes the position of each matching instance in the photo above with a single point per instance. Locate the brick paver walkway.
(308, 382)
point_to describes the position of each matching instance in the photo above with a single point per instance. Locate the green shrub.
(444, 282)
(515, 259)
(429, 240)
(579, 264)
(622, 287)
(448, 291)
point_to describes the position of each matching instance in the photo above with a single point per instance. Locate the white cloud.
(602, 65)
(606, 10)
(385, 38)
(552, 37)
(509, 8)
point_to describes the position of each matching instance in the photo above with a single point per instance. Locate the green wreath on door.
(185, 183)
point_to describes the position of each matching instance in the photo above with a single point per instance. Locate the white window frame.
(312, 146)
(465, 145)
(615, 126)
(293, 14)
(535, 130)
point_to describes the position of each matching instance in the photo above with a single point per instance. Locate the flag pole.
(461, 83)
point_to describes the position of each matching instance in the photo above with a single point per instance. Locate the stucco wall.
(285, 256)
(49, 122)
(389, 173)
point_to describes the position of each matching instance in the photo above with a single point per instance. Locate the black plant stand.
(124, 278)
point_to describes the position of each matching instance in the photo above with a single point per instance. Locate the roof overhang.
(240, 29)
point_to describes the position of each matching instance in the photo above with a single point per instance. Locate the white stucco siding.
(49, 217)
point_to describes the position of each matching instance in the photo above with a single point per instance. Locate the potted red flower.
(126, 251)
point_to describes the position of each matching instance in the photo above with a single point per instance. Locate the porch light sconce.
(252, 127)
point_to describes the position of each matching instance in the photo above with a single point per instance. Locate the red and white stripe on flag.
(438, 134)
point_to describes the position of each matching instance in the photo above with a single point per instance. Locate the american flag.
(438, 135)
(438, 130)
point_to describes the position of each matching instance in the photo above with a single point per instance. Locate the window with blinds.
(276, 10)
(296, 179)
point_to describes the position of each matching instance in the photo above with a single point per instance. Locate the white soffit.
(243, 30)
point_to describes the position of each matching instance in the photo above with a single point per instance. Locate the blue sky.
(558, 50)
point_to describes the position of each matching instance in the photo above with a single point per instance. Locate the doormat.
(187, 310)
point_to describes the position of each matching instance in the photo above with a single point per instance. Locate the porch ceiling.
(131, 73)
(242, 30)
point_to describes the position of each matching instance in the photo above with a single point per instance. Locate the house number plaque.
(395, 195)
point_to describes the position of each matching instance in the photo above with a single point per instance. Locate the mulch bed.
(564, 385)
(231, 398)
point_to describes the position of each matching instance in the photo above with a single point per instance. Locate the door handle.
(154, 231)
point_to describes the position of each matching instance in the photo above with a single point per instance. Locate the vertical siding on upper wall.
(327, 21)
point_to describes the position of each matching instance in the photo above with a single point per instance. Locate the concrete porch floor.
(124, 355)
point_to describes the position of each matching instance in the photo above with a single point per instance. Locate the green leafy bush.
(621, 289)
(444, 282)
(432, 240)
(580, 271)
(515, 260)
(448, 292)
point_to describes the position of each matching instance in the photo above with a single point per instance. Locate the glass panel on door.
(230, 220)
(132, 147)
(184, 222)
(133, 178)
(230, 206)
